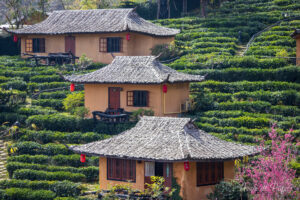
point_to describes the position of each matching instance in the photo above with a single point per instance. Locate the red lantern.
(15, 38)
(82, 158)
(72, 87)
(165, 88)
(127, 36)
(186, 166)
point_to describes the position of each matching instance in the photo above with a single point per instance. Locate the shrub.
(14, 84)
(33, 148)
(73, 100)
(91, 173)
(54, 95)
(53, 103)
(36, 110)
(62, 137)
(28, 194)
(228, 191)
(51, 176)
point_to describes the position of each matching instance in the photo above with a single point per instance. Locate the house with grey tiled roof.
(131, 83)
(98, 33)
(167, 147)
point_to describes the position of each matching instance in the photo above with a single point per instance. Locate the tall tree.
(16, 11)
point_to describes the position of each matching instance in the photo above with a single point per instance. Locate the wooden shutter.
(28, 45)
(102, 44)
(129, 98)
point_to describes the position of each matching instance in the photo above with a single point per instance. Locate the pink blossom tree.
(268, 177)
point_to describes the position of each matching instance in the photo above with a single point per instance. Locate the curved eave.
(100, 32)
(139, 83)
(162, 160)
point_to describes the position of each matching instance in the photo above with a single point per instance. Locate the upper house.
(96, 33)
(296, 36)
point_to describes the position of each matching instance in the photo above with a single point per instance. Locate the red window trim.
(126, 171)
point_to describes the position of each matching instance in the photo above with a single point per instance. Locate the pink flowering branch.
(268, 177)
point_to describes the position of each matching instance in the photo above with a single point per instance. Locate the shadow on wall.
(9, 47)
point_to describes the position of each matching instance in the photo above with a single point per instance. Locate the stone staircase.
(3, 157)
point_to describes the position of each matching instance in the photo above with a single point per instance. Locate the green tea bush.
(28, 194)
(43, 86)
(91, 173)
(36, 110)
(45, 78)
(33, 148)
(62, 137)
(53, 103)
(14, 84)
(61, 188)
(226, 87)
(248, 106)
(11, 117)
(58, 160)
(54, 95)
(50, 176)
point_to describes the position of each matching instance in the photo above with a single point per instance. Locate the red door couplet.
(114, 98)
(70, 44)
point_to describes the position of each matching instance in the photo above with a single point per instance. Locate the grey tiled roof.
(165, 139)
(96, 21)
(134, 70)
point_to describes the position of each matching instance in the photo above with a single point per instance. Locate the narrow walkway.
(241, 50)
(3, 154)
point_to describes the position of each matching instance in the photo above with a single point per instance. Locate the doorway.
(114, 98)
(70, 44)
(162, 169)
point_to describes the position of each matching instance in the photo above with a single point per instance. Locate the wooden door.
(70, 44)
(168, 174)
(114, 98)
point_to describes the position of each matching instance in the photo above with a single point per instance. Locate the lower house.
(168, 147)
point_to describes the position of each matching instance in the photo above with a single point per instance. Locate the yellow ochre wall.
(106, 184)
(96, 97)
(186, 179)
(88, 44)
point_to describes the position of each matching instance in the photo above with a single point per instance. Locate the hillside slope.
(243, 95)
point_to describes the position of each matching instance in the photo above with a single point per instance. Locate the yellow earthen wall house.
(163, 104)
(89, 44)
(168, 147)
(96, 33)
(186, 179)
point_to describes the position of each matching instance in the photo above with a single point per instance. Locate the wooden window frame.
(37, 45)
(125, 171)
(131, 98)
(209, 173)
(102, 45)
(28, 45)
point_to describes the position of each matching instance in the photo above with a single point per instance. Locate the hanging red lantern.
(15, 38)
(186, 166)
(165, 88)
(82, 158)
(127, 36)
(72, 87)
